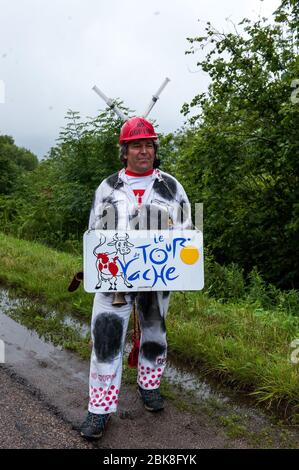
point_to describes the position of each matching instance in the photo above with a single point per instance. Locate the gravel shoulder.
(28, 423)
(31, 420)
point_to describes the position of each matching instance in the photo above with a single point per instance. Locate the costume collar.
(156, 174)
(133, 173)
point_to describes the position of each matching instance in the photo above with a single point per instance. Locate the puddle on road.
(21, 336)
(176, 372)
(9, 304)
(190, 381)
(63, 377)
(60, 374)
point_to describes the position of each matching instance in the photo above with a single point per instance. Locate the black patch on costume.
(159, 221)
(183, 212)
(166, 294)
(152, 350)
(111, 223)
(93, 201)
(163, 326)
(135, 218)
(113, 179)
(146, 224)
(162, 189)
(107, 331)
(108, 200)
(148, 217)
(148, 310)
(101, 216)
(147, 306)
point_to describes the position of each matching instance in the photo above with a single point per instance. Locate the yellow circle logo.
(189, 254)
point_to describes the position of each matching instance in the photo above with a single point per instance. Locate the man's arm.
(94, 212)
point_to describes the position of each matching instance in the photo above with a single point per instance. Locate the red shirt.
(138, 183)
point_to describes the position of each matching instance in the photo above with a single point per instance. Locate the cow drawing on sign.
(106, 263)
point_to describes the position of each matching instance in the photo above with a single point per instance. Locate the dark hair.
(124, 149)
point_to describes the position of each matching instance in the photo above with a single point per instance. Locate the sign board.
(143, 260)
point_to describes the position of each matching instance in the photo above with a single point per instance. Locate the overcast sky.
(52, 52)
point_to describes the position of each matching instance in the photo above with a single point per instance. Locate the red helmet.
(136, 128)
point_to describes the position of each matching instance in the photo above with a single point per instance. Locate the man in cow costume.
(139, 186)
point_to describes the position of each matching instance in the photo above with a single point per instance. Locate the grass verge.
(41, 272)
(244, 345)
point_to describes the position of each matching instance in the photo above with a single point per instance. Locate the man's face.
(140, 155)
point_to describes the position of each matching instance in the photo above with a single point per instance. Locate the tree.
(240, 153)
(13, 161)
(54, 201)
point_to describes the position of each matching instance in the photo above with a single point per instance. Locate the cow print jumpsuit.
(109, 323)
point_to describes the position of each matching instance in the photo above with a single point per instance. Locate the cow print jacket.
(115, 207)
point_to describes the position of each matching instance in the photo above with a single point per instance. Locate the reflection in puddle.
(176, 373)
(191, 382)
(9, 304)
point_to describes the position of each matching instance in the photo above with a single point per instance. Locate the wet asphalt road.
(44, 397)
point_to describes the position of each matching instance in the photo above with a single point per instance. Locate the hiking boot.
(94, 425)
(152, 399)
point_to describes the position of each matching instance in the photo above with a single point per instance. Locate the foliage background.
(238, 153)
